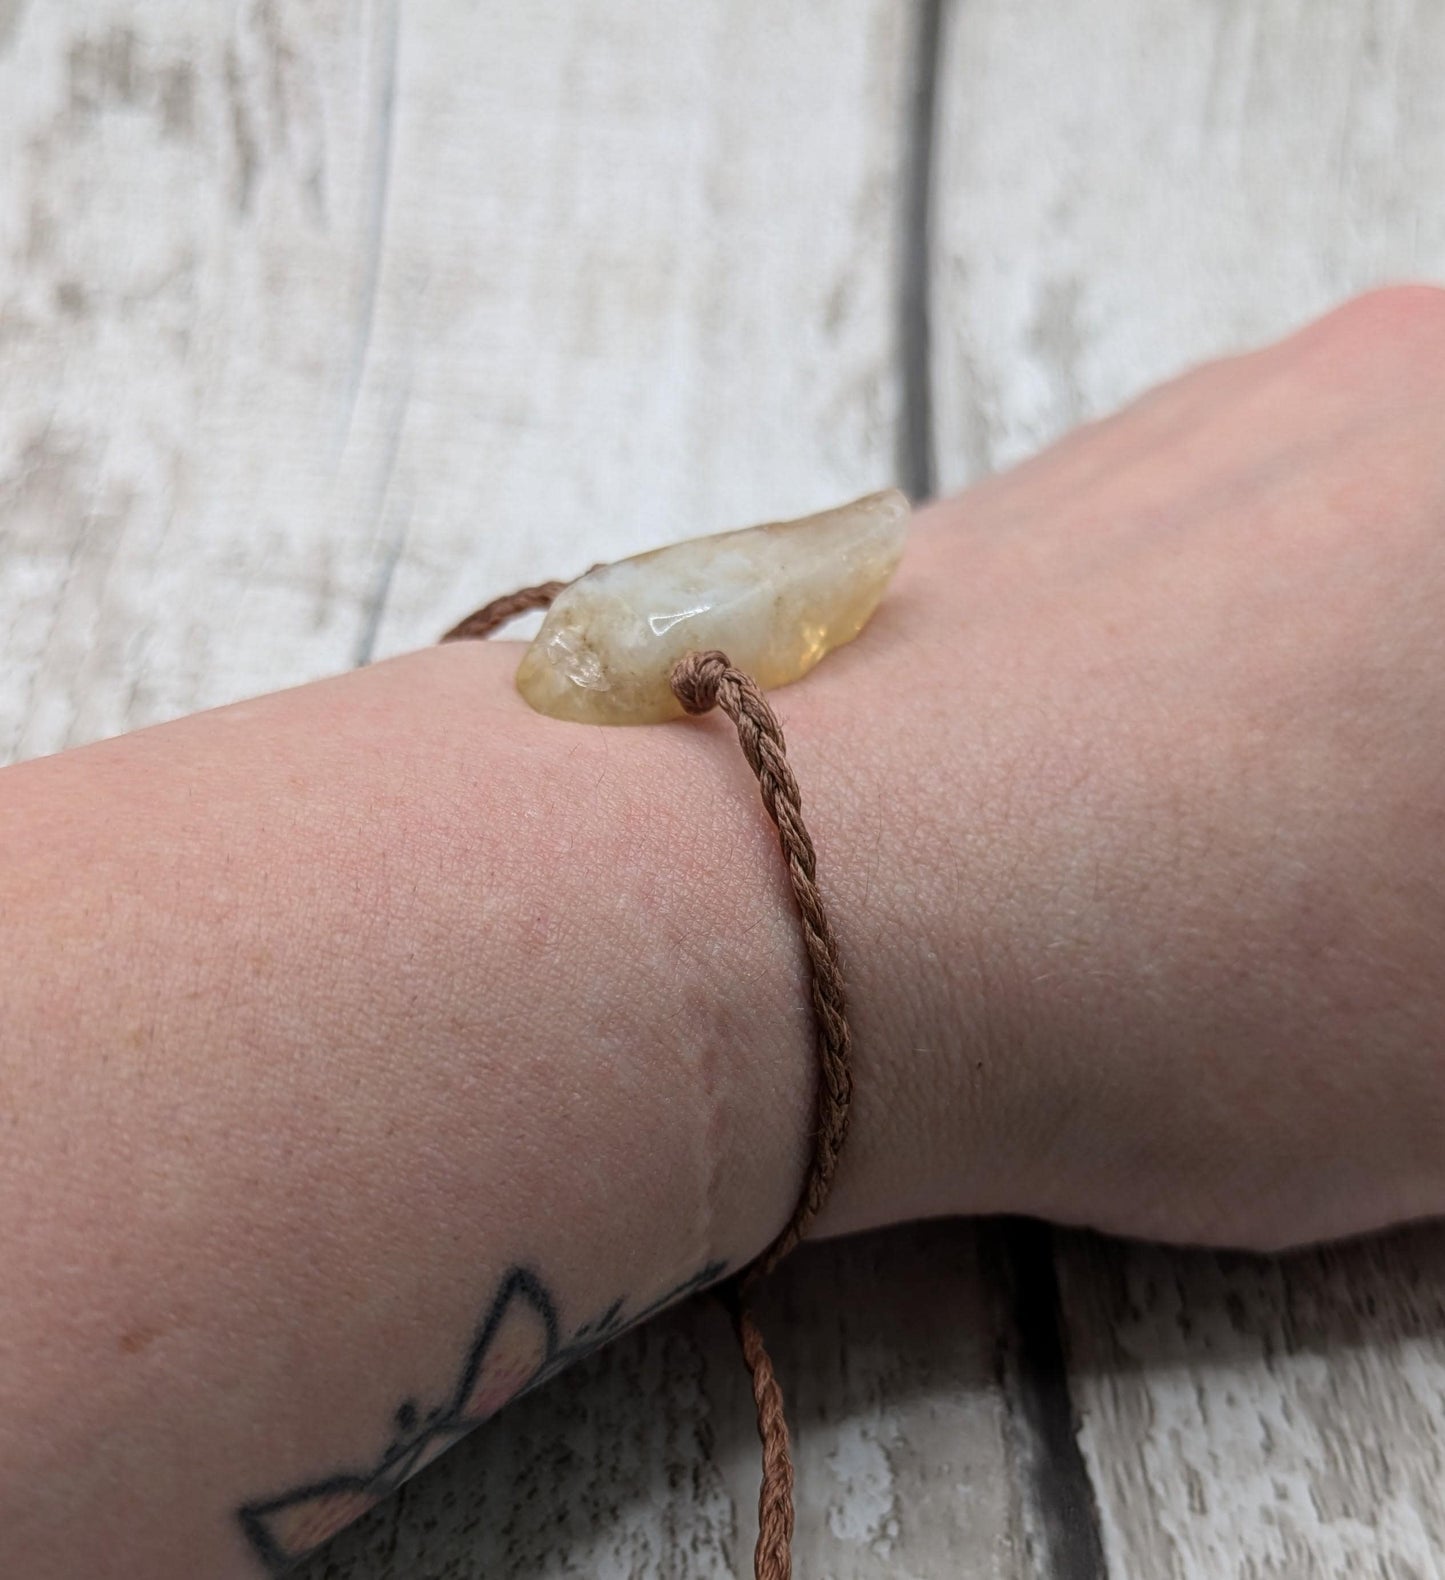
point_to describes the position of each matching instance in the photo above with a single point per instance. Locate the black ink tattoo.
(517, 1346)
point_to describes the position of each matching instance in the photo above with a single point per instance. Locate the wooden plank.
(183, 224)
(1123, 190)
(320, 324)
(644, 1464)
(636, 283)
(1263, 1416)
(447, 305)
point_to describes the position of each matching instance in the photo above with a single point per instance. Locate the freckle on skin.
(138, 1339)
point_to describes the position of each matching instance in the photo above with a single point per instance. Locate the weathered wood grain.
(1267, 1417)
(1123, 190)
(319, 321)
(320, 324)
(644, 1463)
(183, 222)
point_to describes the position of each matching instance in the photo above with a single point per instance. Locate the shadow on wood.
(1272, 1415)
(889, 1347)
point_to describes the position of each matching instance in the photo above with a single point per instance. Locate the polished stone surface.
(775, 598)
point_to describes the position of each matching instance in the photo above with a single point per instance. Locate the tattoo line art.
(516, 1347)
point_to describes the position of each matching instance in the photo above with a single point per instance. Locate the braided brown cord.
(483, 621)
(773, 1555)
(702, 681)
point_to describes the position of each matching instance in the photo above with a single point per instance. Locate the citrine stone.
(774, 598)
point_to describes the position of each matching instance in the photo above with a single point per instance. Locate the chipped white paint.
(644, 1462)
(1123, 190)
(549, 268)
(183, 225)
(1294, 1408)
(861, 1509)
(453, 301)
(1128, 188)
(321, 324)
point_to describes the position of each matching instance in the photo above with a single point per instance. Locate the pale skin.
(322, 1015)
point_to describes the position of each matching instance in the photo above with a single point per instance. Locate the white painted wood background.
(321, 322)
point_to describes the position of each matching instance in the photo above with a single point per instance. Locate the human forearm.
(324, 1014)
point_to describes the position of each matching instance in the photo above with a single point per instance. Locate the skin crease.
(321, 1010)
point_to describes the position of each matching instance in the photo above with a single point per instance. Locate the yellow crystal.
(774, 598)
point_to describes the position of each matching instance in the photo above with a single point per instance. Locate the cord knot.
(696, 677)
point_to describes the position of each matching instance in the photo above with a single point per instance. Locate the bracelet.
(647, 639)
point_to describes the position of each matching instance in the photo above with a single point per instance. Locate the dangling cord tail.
(702, 681)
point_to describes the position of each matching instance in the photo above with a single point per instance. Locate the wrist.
(676, 883)
(888, 803)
